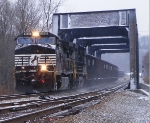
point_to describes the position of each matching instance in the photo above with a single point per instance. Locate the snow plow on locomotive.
(43, 62)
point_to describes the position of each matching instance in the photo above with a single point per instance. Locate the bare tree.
(15, 18)
(6, 44)
(27, 15)
(6, 16)
(48, 7)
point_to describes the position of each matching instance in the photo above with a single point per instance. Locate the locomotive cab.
(43, 62)
(35, 61)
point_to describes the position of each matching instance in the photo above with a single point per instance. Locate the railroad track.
(17, 96)
(22, 111)
(13, 97)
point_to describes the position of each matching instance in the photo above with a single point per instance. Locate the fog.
(122, 60)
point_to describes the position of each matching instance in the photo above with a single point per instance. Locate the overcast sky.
(141, 6)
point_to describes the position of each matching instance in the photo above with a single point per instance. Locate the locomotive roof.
(48, 35)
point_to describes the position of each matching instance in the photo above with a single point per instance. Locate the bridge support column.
(134, 53)
(91, 51)
(98, 54)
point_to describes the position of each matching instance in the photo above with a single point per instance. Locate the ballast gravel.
(120, 107)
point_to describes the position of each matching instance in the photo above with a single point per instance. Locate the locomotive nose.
(33, 81)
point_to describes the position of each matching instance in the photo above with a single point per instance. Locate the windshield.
(41, 40)
(44, 40)
(25, 40)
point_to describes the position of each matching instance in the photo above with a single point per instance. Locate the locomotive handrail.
(16, 65)
(74, 70)
(18, 61)
(54, 69)
(15, 70)
(30, 75)
(55, 85)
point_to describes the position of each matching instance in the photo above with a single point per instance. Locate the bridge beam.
(109, 47)
(114, 51)
(114, 40)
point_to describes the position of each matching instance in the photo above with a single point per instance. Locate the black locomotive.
(43, 62)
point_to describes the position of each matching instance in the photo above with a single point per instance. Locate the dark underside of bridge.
(102, 32)
(100, 39)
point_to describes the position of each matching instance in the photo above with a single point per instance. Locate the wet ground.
(120, 107)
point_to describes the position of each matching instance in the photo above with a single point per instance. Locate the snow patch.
(143, 98)
(132, 84)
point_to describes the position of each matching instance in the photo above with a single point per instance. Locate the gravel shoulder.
(120, 107)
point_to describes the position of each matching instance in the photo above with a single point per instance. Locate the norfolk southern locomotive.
(43, 62)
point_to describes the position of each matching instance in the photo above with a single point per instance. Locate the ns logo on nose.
(33, 60)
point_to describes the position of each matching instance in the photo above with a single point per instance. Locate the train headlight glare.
(43, 68)
(35, 34)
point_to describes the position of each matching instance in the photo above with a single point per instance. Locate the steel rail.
(17, 96)
(60, 107)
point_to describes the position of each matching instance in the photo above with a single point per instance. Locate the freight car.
(100, 69)
(43, 62)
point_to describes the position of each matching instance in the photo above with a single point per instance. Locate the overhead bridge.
(103, 40)
(97, 47)
(102, 32)
(70, 34)
(114, 51)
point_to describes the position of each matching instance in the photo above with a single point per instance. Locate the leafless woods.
(18, 16)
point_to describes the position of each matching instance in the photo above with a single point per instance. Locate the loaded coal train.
(44, 62)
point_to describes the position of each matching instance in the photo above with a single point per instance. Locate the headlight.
(35, 34)
(43, 68)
